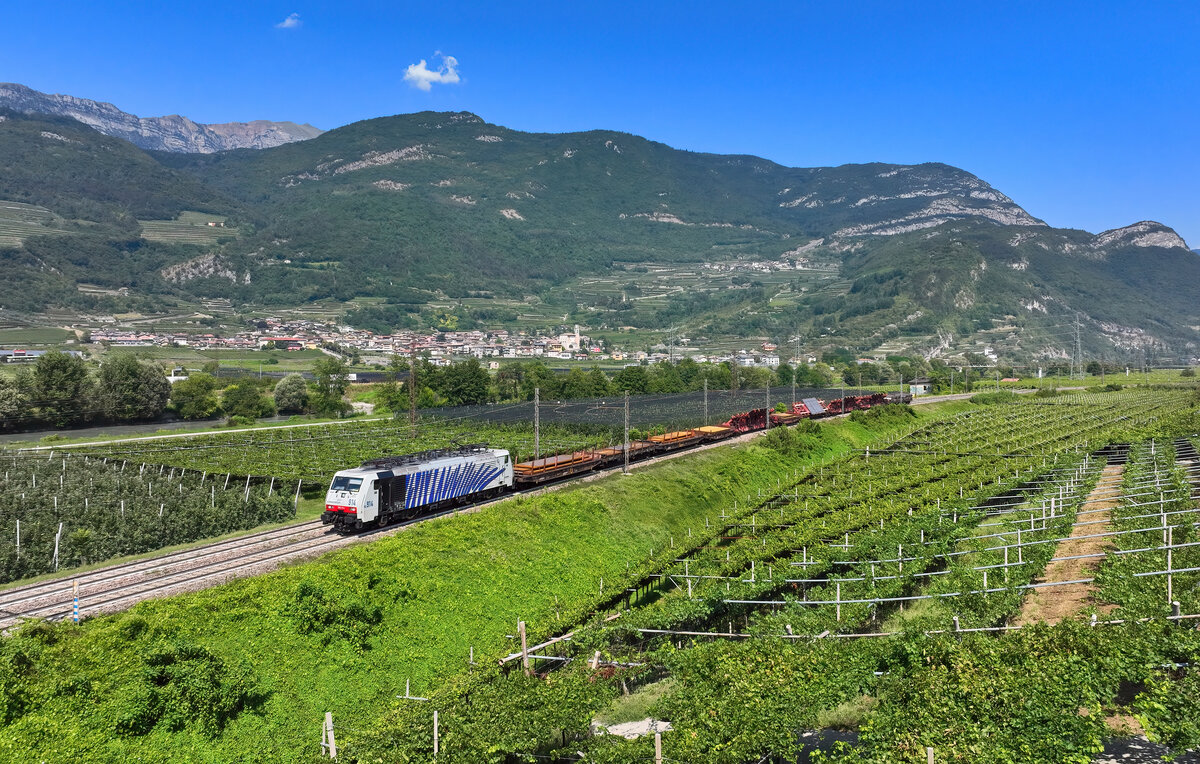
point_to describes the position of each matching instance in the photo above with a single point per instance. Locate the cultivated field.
(18, 221)
(188, 228)
(869, 574)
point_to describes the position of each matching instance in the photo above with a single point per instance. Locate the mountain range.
(170, 133)
(419, 216)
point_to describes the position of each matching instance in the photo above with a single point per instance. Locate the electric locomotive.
(382, 491)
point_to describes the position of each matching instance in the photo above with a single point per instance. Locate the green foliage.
(116, 507)
(15, 667)
(61, 388)
(245, 398)
(185, 685)
(1167, 709)
(464, 383)
(332, 612)
(332, 379)
(14, 402)
(794, 442)
(888, 414)
(633, 380)
(1034, 696)
(1003, 397)
(131, 389)
(291, 394)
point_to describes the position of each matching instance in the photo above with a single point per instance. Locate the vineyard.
(19, 221)
(313, 454)
(670, 410)
(187, 228)
(871, 575)
(61, 510)
(883, 586)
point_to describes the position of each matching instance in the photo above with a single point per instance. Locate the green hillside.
(432, 215)
(70, 200)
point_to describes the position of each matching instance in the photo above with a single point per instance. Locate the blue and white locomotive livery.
(401, 487)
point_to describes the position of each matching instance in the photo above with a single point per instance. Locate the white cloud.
(291, 22)
(420, 76)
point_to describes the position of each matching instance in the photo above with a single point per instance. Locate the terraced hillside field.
(188, 228)
(20, 221)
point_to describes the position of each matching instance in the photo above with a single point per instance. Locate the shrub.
(889, 413)
(990, 399)
(185, 685)
(334, 614)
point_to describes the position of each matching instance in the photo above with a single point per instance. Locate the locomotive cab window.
(343, 483)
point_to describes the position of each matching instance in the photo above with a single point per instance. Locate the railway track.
(117, 587)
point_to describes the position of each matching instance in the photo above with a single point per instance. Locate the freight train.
(396, 488)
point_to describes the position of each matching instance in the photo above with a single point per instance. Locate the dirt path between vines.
(1054, 603)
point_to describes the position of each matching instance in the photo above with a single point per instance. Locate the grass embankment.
(246, 671)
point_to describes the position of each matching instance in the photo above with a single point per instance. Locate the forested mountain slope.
(441, 206)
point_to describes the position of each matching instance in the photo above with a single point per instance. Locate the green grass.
(285, 360)
(35, 335)
(203, 427)
(637, 705)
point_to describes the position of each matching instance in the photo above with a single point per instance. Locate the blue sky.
(1084, 113)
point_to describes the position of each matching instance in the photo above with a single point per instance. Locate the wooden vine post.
(524, 648)
(328, 744)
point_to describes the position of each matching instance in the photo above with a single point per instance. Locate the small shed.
(920, 386)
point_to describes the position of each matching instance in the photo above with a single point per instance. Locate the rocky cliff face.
(170, 133)
(1144, 234)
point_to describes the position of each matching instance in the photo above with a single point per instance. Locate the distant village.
(441, 348)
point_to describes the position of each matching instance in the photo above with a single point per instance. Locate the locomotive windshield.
(344, 483)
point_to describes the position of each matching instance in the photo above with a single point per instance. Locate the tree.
(131, 389)
(428, 399)
(662, 377)
(575, 385)
(808, 375)
(784, 375)
(464, 383)
(196, 396)
(632, 379)
(598, 383)
(13, 404)
(291, 394)
(245, 398)
(61, 388)
(509, 381)
(689, 373)
(391, 393)
(538, 376)
(332, 380)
